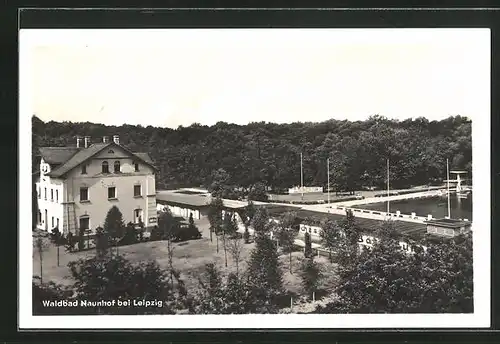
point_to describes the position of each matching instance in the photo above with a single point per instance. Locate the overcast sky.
(177, 77)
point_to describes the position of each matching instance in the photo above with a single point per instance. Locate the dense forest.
(269, 153)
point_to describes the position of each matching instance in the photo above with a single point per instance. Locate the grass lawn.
(190, 259)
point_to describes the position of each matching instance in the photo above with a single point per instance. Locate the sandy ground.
(189, 257)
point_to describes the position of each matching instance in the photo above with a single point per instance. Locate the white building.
(78, 185)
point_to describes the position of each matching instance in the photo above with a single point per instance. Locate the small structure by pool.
(447, 227)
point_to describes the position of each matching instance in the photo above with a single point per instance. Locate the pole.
(328, 176)
(301, 178)
(388, 192)
(448, 186)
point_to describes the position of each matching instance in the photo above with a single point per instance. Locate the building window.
(45, 193)
(111, 151)
(52, 195)
(137, 190)
(112, 192)
(57, 222)
(117, 166)
(85, 223)
(136, 166)
(52, 221)
(39, 217)
(39, 192)
(137, 215)
(84, 169)
(84, 194)
(105, 167)
(57, 195)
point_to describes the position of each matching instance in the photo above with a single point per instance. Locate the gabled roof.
(84, 154)
(57, 155)
(145, 157)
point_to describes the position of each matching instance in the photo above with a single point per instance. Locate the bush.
(71, 241)
(156, 234)
(131, 235)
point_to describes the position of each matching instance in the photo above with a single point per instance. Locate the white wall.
(53, 204)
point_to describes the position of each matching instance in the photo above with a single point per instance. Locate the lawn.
(190, 259)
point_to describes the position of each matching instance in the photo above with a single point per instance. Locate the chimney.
(78, 141)
(87, 141)
(116, 139)
(105, 139)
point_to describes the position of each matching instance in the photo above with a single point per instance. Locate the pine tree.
(265, 275)
(260, 222)
(287, 232)
(330, 236)
(215, 216)
(311, 275)
(193, 231)
(114, 226)
(229, 228)
(308, 245)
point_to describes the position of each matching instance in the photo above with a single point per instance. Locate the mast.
(388, 192)
(328, 176)
(301, 177)
(448, 186)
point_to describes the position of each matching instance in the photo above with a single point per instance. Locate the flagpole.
(448, 186)
(301, 177)
(328, 174)
(388, 192)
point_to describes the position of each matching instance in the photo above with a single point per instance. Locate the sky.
(178, 77)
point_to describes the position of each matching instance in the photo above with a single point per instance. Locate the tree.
(224, 155)
(311, 275)
(112, 277)
(246, 235)
(192, 231)
(347, 247)
(41, 245)
(229, 230)
(114, 226)
(101, 241)
(169, 228)
(215, 216)
(386, 279)
(57, 239)
(235, 247)
(258, 193)
(217, 296)
(261, 223)
(42, 294)
(308, 245)
(131, 235)
(70, 242)
(34, 207)
(264, 273)
(81, 239)
(247, 216)
(330, 236)
(287, 232)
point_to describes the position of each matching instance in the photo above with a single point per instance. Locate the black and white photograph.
(320, 178)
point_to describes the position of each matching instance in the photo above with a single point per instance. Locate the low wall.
(305, 189)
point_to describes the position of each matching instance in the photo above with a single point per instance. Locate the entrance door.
(138, 216)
